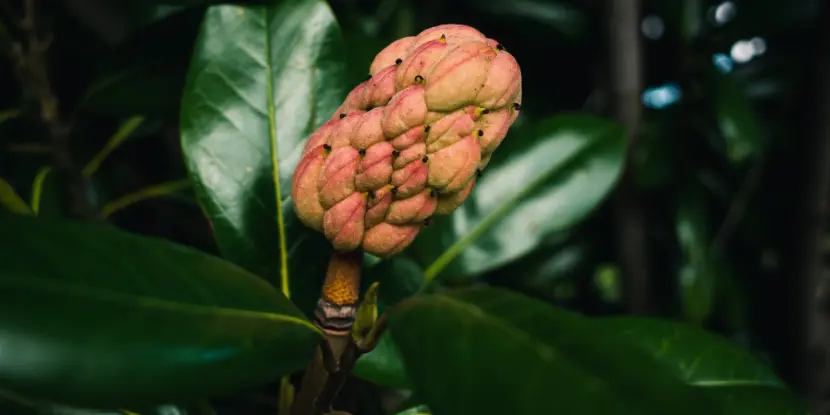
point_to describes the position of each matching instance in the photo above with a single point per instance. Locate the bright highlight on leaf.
(247, 107)
(183, 324)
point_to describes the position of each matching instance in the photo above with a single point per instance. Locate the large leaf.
(383, 366)
(93, 316)
(694, 355)
(494, 352)
(542, 180)
(262, 77)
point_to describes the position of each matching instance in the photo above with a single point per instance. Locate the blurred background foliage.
(722, 168)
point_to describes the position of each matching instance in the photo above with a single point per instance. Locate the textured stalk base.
(335, 315)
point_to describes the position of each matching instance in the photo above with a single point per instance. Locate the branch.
(32, 69)
(624, 72)
(809, 226)
(334, 316)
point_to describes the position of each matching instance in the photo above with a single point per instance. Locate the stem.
(335, 316)
(124, 131)
(32, 69)
(161, 189)
(803, 326)
(624, 71)
(624, 75)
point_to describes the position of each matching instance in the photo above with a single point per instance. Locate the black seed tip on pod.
(326, 147)
(500, 46)
(427, 128)
(419, 79)
(517, 106)
(485, 111)
(371, 194)
(478, 172)
(480, 133)
(393, 190)
(396, 153)
(342, 115)
(424, 159)
(362, 151)
(398, 61)
(433, 193)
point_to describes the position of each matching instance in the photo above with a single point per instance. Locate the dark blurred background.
(719, 219)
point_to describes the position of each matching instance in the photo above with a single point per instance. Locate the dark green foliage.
(191, 288)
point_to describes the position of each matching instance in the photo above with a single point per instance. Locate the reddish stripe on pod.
(385, 240)
(343, 223)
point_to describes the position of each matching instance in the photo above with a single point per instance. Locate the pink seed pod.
(408, 143)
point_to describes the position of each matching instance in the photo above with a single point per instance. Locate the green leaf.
(418, 410)
(542, 180)
(755, 400)
(383, 366)
(694, 355)
(550, 269)
(399, 278)
(487, 351)
(11, 201)
(96, 317)
(697, 274)
(737, 119)
(44, 196)
(262, 78)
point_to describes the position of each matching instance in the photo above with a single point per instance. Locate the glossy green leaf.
(418, 410)
(737, 119)
(694, 355)
(548, 269)
(697, 274)
(755, 400)
(94, 317)
(488, 351)
(383, 365)
(261, 79)
(542, 180)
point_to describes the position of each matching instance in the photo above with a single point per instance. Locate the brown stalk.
(624, 72)
(335, 314)
(31, 60)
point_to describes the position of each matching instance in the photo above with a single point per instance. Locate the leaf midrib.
(500, 212)
(97, 294)
(275, 166)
